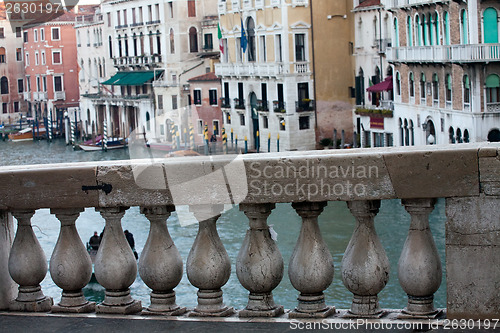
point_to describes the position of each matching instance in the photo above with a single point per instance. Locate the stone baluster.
(160, 264)
(70, 264)
(208, 266)
(259, 266)
(365, 266)
(115, 266)
(311, 264)
(28, 267)
(419, 267)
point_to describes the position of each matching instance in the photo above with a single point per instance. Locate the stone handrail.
(466, 175)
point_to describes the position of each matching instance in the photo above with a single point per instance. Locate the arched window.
(82, 70)
(446, 24)
(158, 42)
(134, 44)
(148, 124)
(193, 40)
(435, 88)
(494, 135)
(409, 31)
(251, 39)
(490, 25)
(466, 136)
(448, 89)
(464, 30)
(401, 133)
(78, 38)
(396, 33)
(407, 133)
(459, 135)
(424, 31)
(451, 135)
(119, 46)
(125, 42)
(103, 67)
(411, 83)
(398, 83)
(422, 86)
(436, 28)
(466, 90)
(492, 89)
(172, 44)
(110, 42)
(418, 29)
(4, 85)
(429, 29)
(2, 55)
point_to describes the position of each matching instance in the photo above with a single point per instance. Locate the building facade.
(446, 57)
(12, 79)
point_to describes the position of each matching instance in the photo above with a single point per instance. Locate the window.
(4, 85)
(58, 84)
(16, 107)
(493, 89)
(216, 127)
(409, 31)
(396, 33)
(20, 85)
(422, 86)
(279, 53)
(228, 118)
(212, 94)
(448, 88)
(174, 102)
(304, 123)
(242, 119)
(148, 122)
(262, 48)
(2, 32)
(157, 12)
(208, 42)
(160, 102)
(446, 26)
(398, 84)
(170, 10)
(490, 25)
(125, 17)
(191, 8)
(19, 54)
(197, 96)
(35, 35)
(466, 90)
(27, 59)
(282, 123)
(141, 20)
(55, 33)
(110, 42)
(38, 84)
(42, 34)
(265, 121)
(28, 83)
(172, 44)
(300, 53)
(193, 40)
(44, 83)
(56, 57)
(109, 19)
(411, 83)
(4, 108)
(18, 32)
(435, 87)
(25, 37)
(464, 31)
(37, 58)
(2, 55)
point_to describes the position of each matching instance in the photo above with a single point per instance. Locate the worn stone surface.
(48, 186)
(473, 257)
(489, 172)
(7, 285)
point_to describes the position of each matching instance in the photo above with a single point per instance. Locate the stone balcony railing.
(251, 69)
(471, 53)
(467, 176)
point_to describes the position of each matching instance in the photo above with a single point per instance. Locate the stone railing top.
(326, 175)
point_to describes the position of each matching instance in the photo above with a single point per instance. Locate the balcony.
(301, 67)
(305, 105)
(471, 53)
(138, 24)
(155, 22)
(279, 106)
(59, 95)
(27, 96)
(493, 107)
(409, 3)
(138, 61)
(262, 106)
(296, 3)
(39, 96)
(122, 26)
(225, 103)
(416, 177)
(250, 69)
(239, 104)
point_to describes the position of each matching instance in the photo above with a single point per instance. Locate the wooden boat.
(113, 144)
(25, 134)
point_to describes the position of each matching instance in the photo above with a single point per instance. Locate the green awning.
(492, 81)
(132, 78)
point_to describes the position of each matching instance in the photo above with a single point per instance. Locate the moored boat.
(26, 134)
(113, 144)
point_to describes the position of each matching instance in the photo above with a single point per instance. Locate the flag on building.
(219, 35)
(243, 40)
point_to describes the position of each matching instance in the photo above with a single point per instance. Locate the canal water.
(336, 223)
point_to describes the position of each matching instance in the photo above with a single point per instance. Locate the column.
(108, 120)
(115, 266)
(70, 264)
(208, 266)
(7, 285)
(419, 267)
(259, 266)
(28, 266)
(311, 264)
(160, 265)
(365, 266)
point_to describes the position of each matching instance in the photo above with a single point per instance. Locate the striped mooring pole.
(224, 138)
(185, 138)
(231, 138)
(278, 143)
(172, 133)
(246, 145)
(73, 138)
(178, 137)
(49, 127)
(105, 136)
(236, 144)
(206, 142)
(257, 144)
(269, 143)
(191, 136)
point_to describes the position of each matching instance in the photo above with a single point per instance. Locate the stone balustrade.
(467, 176)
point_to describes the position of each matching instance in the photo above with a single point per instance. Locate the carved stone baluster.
(259, 266)
(208, 266)
(160, 265)
(28, 267)
(311, 264)
(419, 267)
(70, 264)
(365, 266)
(115, 266)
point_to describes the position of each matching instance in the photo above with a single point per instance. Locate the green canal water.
(336, 223)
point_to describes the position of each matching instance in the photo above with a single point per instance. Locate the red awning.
(382, 86)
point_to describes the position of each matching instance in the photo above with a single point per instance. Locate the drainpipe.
(380, 44)
(314, 68)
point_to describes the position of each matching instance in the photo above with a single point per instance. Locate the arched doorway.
(494, 135)
(255, 117)
(430, 133)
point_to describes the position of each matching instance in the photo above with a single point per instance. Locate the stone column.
(70, 264)
(160, 265)
(208, 266)
(365, 266)
(259, 266)
(419, 267)
(28, 267)
(7, 285)
(115, 266)
(311, 265)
